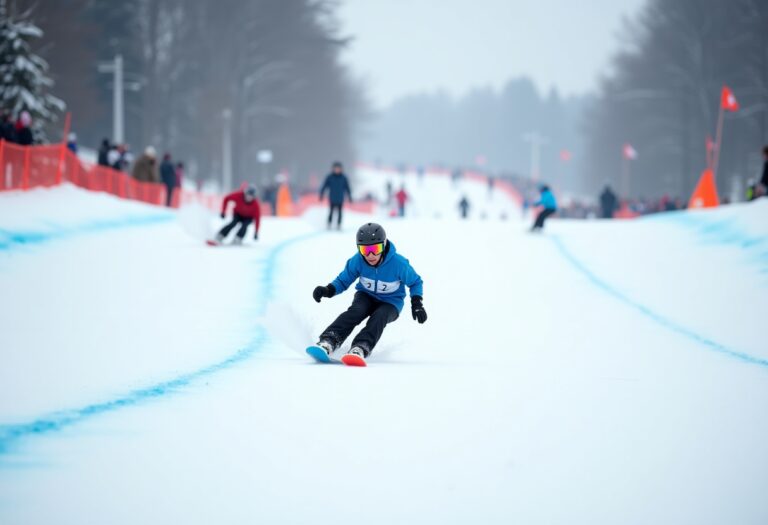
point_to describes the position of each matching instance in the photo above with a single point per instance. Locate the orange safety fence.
(26, 167)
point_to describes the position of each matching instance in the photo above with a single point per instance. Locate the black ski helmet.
(371, 233)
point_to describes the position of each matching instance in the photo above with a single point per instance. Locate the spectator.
(145, 169)
(609, 203)
(179, 174)
(337, 185)
(168, 177)
(119, 157)
(401, 197)
(72, 142)
(23, 130)
(104, 149)
(269, 195)
(7, 131)
(764, 178)
(751, 190)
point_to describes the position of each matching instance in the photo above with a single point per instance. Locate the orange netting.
(25, 167)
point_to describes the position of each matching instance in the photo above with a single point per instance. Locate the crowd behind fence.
(27, 167)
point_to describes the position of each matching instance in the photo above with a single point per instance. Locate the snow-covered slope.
(603, 372)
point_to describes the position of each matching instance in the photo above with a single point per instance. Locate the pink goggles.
(375, 249)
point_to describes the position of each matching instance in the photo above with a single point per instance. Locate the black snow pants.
(236, 219)
(336, 207)
(379, 314)
(539, 224)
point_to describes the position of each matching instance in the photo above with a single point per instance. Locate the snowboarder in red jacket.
(246, 210)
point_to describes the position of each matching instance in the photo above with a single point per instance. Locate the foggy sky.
(406, 46)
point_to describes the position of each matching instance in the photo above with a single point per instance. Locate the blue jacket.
(547, 200)
(385, 282)
(337, 186)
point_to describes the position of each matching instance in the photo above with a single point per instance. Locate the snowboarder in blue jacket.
(382, 276)
(549, 205)
(337, 185)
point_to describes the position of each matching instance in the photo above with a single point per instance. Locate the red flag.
(565, 155)
(727, 100)
(629, 152)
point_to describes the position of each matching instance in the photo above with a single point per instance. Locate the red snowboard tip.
(211, 242)
(353, 360)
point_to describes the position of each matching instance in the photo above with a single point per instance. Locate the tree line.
(663, 92)
(483, 125)
(272, 63)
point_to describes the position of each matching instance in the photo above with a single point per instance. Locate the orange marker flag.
(727, 100)
(705, 194)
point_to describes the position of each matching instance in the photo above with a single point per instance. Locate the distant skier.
(464, 207)
(609, 203)
(337, 185)
(246, 211)
(383, 275)
(401, 197)
(547, 201)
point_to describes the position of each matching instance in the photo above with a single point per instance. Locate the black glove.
(222, 215)
(323, 291)
(417, 309)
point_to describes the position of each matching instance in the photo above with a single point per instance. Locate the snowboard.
(353, 360)
(319, 355)
(212, 242)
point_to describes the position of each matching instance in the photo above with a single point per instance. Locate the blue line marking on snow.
(648, 312)
(715, 230)
(15, 239)
(13, 433)
(60, 420)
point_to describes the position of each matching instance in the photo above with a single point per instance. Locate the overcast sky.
(406, 46)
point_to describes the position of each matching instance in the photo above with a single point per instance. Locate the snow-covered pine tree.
(24, 80)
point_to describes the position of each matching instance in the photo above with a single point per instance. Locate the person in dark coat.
(764, 178)
(103, 158)
(609, 203)
(337, 185)
(168, 177)
(464, 207)
(7, 131)
(23, 129)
